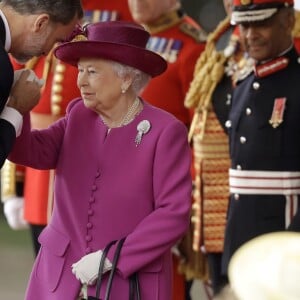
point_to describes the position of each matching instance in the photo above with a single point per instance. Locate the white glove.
(31, 77)
(13, 210)
(86, 269)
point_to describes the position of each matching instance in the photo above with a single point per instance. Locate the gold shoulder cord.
(208, 72)
(8, 180)
(296, 30)
(58, 75)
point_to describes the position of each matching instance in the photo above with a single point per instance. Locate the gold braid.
(296, 30)
(209, 70)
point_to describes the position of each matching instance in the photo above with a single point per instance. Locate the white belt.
(264, 182)
(268, 183)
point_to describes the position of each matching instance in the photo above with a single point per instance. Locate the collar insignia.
(271, 67)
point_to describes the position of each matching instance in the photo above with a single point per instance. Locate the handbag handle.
(134, 288)
(101, 266)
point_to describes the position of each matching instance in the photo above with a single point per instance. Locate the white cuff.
(14, 117)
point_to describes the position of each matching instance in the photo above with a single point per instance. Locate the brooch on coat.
(143, 127)
(278, 110)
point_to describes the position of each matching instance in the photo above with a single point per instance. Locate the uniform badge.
(198, 34)
(167, 48)
(143, 127)
(93, 16)
(278, 110)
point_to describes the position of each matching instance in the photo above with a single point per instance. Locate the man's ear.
(41, 22)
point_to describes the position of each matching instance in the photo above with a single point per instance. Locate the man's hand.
(26, 91)
(13, 210)
(86, 269)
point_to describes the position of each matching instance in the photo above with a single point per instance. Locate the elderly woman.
(122, 170)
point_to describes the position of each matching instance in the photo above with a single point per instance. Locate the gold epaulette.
(164, 22)
(198, 34)
(8, 180)
(296, 30)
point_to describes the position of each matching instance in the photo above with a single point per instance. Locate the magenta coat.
(107, 187)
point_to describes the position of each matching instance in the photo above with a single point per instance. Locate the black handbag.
(134, 288)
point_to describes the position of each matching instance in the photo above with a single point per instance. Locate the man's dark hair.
(60, 11)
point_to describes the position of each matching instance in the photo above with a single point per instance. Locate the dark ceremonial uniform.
(7, 130)
(264, 132)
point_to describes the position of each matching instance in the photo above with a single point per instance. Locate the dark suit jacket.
(7, 130)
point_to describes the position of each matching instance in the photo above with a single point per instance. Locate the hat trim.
(252, 16)
(71, 52)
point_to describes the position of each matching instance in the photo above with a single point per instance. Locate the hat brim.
(238, 17)
(139, 58)
(258, 268)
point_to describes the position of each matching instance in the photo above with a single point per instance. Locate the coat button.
(248, 111)
(243, 140)
(236, 196)
(203, 250)
(89, 225)
(88, 238)
(228, 124)
(228, 101)
(256, 85)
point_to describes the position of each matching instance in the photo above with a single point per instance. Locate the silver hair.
(139, 78)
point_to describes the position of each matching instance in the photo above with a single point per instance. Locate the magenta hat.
(119, 41)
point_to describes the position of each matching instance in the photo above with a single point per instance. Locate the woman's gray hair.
(139, 78)
(60, 11)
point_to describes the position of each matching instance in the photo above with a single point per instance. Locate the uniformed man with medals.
(264, 127)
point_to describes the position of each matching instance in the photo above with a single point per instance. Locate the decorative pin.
(142, 128)
(278, 110)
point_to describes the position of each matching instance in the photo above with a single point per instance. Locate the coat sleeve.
(38, 149)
